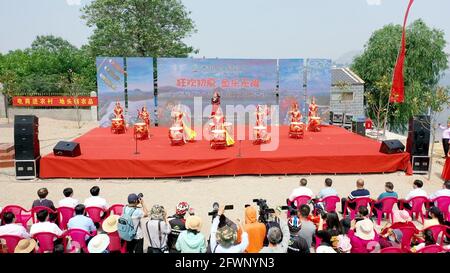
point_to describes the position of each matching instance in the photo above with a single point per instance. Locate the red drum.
(314, 124)
(297, 130)
(117, 126)
(218, 139)
(176, 135)
(140, 131)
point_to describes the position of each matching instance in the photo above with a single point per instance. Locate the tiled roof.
(345, 75)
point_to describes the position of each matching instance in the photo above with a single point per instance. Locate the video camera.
(264, 210)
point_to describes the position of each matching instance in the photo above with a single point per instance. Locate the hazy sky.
(239, 28)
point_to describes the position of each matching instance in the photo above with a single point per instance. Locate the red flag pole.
(397, 92)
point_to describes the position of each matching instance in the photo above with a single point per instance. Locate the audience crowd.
(312, 225)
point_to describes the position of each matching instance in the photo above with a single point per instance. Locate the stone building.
(347, 92)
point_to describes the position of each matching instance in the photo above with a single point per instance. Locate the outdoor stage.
(334, 150)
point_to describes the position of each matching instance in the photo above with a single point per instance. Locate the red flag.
(398, 83)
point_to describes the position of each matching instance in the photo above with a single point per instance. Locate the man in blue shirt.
(81, 221)
(359, 192)
(328, 190)
(389, 192)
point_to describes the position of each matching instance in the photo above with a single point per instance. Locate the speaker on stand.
(418, 143)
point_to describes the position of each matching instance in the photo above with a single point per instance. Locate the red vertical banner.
(398, 82)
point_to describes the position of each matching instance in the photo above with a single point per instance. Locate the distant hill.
(347, 58)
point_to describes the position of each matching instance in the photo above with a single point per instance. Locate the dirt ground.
(200, 193)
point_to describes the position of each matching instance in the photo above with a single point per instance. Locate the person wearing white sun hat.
(362, 234)
(99, 244)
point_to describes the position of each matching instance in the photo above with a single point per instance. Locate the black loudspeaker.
(26, 137)
(392, 147)
(336, 118)
(65, 148)
(359, 127)
(421, 164)
(418, 142)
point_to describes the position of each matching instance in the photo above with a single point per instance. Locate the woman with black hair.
(436, 218)
(428, 240)
(325, 242)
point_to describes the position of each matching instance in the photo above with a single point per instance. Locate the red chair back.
(115, 243)
(443, 203)
(431, 249)
(79, 236)
(359, 201)
(95, 213)
(408, 233)
(437, 230)
(417, 204)
(45, 241)
(387, 206)
(11, 241)
(391, 250)
(37, 209)
(116, 209)
(64, 215)
(301, 200)
(22, 215)
(330, 203)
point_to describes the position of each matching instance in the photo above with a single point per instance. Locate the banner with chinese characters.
(53, 101)
(240, 82)
(140, 88)
(110, 87)
(290, 88)
(318, 86)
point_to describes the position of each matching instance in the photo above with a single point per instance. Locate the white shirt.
(68, 202)
(415, 193)
(14, 229)
(446, 132)
(441, 192)
(301, 191)
(45, 227)
(96, 201)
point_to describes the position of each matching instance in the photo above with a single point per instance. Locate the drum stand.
(136, 152)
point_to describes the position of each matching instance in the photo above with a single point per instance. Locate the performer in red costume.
(142, 129)
(313, 118)
(118, 122)
(215, 102)
(260, 129)
(180, 132)
(296, 126)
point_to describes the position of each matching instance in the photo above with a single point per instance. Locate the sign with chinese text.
(54, 101)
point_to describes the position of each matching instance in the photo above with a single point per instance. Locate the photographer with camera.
(223, 239)
(157, 230)
(362, 232)
(134, 212)
(256, 230)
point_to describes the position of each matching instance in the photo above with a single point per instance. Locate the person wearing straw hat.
(191, 240)
(99, 244)
(223, 239)
(362, 233)
(109, 225)
(25, 246)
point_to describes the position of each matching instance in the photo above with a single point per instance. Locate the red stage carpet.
(334, 150)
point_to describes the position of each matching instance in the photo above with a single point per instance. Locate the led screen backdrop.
(140, 88)
(110, 87)
(318, 85)
(290, 86)
(239, 82)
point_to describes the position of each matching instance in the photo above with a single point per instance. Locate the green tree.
(153, 28)
(425, 63)
(45, 67)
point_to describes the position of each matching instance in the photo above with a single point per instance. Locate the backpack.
(125, 226)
